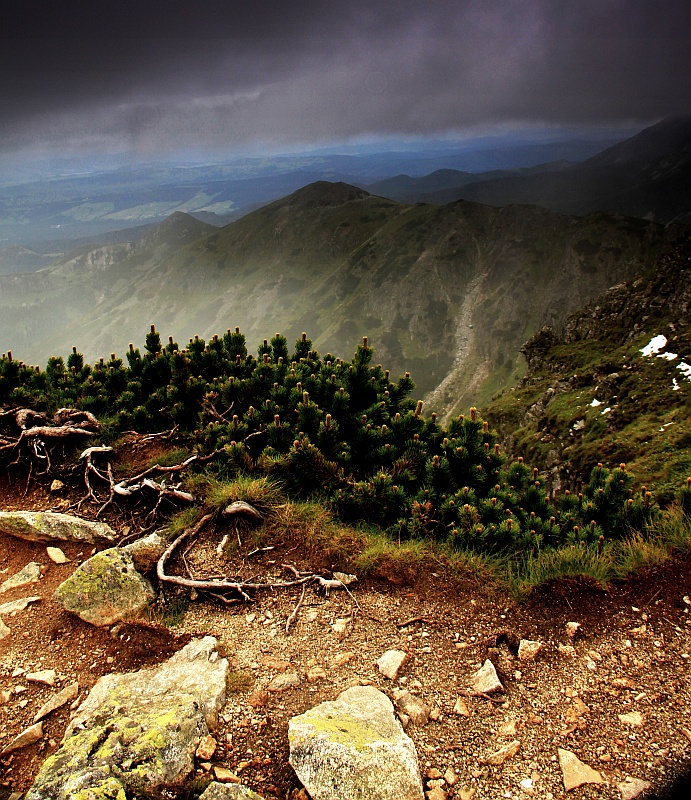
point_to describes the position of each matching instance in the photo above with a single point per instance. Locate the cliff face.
(598, 392)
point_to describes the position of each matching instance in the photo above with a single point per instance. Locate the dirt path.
(629, 658)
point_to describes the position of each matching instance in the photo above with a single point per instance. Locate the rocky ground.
(612, 689)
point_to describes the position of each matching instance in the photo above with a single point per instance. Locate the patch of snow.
(606, 411)
(668, 356)
(675, 385)
(596, 402)
(685, 369)
(654, 346)
(578, 425)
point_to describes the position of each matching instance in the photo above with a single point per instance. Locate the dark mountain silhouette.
(648, 175)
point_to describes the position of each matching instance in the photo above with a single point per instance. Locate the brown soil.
(631, 653)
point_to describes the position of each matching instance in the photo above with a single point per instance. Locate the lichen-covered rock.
(48, 526)
(354, 747)
(136, 734)
(223, 791)
(105, 589)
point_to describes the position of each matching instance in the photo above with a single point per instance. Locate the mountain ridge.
(449, 293)
(648, 176)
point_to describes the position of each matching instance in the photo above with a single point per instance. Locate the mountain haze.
(448, 292)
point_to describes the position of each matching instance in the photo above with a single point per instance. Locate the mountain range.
(648, 176)
(448, 291)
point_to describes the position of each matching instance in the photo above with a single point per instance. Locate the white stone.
(631, 788)
(390, 663)
(574, 772)
(28, 736)
(15, 606)
(46, 676)
(486, 680)
(528, 649)
(56, 555)
(633, 718)
(461, 707)
(63, 697)
(501, 755)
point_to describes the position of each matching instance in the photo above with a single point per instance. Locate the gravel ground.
(616, 694)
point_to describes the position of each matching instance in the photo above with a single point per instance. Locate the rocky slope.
(598, 688)
(614, 386)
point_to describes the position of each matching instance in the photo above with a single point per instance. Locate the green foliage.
(337, 431)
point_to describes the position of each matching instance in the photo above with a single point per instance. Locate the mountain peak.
(325, 193)
(179, 228)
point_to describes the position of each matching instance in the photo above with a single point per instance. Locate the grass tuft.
(570, 561)
(169, 458)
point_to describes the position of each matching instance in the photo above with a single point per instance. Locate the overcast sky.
(155, 76)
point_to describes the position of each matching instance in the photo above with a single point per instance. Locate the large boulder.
(105, 589)
(136, 734)
(354, 747)
(48, 526)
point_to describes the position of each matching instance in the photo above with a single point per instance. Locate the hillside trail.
(616, 694)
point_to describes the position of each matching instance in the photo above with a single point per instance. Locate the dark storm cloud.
(150, 75)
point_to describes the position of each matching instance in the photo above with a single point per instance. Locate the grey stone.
(28, 736)
(136, 733)
(486, 680)
(288, 680)
(354, 747)
(105, 589)
(31, 573)
(66, 695)
(146, 551)
(223, 791)
(4, 630)
(48, 526)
